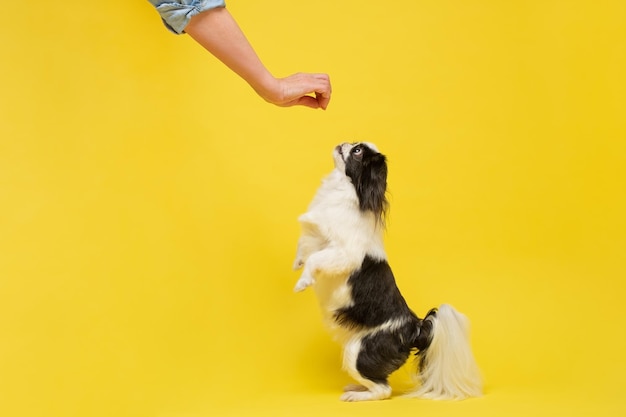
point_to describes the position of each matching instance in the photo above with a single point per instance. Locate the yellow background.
(148, 203)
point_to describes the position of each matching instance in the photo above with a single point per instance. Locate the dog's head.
(367, 169)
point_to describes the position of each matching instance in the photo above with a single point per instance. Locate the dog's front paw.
(297, 264)
(302, 284)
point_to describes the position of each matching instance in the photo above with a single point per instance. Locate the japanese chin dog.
(341, 254)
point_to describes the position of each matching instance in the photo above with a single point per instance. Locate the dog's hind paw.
(379, 392)
(354, 388)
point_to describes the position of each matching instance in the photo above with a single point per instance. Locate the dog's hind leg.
(367, 389)
(370, 360)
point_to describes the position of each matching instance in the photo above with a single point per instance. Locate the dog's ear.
(371, 186)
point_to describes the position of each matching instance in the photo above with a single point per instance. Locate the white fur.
(450, 371)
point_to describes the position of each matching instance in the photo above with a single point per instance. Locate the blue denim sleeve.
(177, 13)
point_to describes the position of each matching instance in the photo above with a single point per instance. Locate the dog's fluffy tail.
(447, 369)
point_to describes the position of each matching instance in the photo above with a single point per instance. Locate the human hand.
(300, 89)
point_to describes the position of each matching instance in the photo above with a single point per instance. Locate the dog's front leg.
(311, 241)
(329, 261)
(303, 252)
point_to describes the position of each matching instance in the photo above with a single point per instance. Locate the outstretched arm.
(217, 31)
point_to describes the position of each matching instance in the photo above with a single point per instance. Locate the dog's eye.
(356, 151)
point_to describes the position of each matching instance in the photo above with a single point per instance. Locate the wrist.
(268, 88)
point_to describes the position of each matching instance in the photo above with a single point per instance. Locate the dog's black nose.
(338, 148)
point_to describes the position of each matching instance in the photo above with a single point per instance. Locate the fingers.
(322, 90)
(304, 89)
(323, 99)
(306, 101)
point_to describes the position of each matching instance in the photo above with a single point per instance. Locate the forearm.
(217, 31)
(213, 27)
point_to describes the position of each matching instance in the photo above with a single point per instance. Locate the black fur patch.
(425, 335)
(424, 338)
(383, 353)
(377, 300)
(376, 297)
(368, 171)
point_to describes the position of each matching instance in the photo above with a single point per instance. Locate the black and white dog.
(342, 255)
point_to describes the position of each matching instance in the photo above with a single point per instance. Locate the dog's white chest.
(333, 294)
